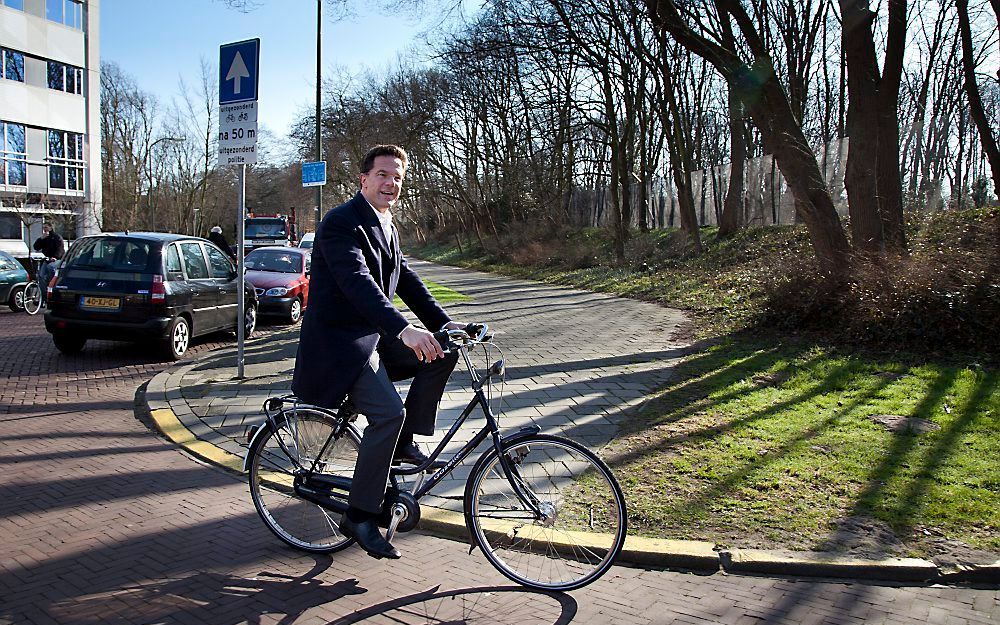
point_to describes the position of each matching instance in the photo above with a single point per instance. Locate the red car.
(280, 276)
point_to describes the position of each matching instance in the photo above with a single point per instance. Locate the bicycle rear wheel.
(582, 525)
(276, 456)
(32, 298)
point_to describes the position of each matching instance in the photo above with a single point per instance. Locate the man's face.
(46, 229)
(382, 185)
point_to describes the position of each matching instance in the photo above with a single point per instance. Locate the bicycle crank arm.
(398, 514)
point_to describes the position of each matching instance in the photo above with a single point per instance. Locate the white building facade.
(50, 140)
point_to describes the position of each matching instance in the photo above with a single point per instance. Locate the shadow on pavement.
(209, 597)
(499, 605)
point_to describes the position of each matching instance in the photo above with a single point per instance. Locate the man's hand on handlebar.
(423, 343)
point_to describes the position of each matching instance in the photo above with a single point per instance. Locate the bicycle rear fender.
(261, 430)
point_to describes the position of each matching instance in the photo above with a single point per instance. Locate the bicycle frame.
(491, 428)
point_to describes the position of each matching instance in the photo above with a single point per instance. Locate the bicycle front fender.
(525, 432)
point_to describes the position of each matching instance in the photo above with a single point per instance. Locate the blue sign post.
(238, 75)
(314, 174)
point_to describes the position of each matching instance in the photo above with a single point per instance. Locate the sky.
(158, 43)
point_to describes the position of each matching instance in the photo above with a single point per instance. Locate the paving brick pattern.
(102, 522)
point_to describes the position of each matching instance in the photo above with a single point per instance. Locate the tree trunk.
(986, 130)
(680, 157)
(733, 207)
(875, 194)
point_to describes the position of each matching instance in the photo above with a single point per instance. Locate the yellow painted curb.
(171, 427)
(828, 565)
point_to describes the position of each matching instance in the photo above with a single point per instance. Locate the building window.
(10, 227)
(65, 12)
(65, 160)
(65, 77)
(13, 166)
(15, 4)
(11, 65)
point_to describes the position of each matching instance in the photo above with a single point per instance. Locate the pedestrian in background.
(52, 246)
(215, 236)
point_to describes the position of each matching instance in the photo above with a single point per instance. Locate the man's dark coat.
(355, 273)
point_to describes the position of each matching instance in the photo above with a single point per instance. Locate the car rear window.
(274, 260)
(107, 254)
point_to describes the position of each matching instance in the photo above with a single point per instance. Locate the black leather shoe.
(369, 538)
(412, 454)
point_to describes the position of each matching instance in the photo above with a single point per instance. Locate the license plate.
(100, 303)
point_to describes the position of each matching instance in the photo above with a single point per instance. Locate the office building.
(50, 151)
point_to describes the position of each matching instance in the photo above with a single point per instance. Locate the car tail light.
(158, 294)
(52, 284)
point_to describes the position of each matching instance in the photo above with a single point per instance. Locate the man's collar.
(386, 216)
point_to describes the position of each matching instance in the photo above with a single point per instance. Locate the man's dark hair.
(382, 150)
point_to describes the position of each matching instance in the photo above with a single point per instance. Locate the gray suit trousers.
(375, 397)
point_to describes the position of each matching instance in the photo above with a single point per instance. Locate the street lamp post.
(149, 174)
(319, 127)
(196, 210)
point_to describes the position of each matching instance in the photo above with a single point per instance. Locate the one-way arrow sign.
(238, 71)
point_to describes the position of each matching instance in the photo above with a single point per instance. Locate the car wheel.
(295, 312)
(68, 343)
(178, 339)
(16, 301)
(249, 321)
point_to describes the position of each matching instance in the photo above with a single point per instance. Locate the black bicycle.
(544, 510)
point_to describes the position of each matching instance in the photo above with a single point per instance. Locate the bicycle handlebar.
(473, 333)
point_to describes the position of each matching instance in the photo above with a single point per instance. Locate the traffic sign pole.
(239, 76)
(241, 273)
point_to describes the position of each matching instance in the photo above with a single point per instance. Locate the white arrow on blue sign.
(314, 174)
(238, 71)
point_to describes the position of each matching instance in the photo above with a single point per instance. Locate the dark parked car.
(280, 276)
(144, 286)
(13, 278)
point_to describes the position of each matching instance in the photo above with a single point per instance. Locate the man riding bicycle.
(52, 246)
(355, 341)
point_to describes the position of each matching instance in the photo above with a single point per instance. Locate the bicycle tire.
(299, 523)
(32, 298)
(586, 522)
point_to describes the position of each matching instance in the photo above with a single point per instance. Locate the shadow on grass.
(900, 515)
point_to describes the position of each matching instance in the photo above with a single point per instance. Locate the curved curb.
(698, 556)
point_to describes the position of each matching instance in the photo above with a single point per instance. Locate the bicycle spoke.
(275, 461)
(568, 486)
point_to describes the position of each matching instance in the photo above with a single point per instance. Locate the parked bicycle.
(30, 298)
(544, 510)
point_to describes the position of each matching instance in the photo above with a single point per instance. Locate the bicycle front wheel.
(32, 298)
(580, 524)
(277, 456)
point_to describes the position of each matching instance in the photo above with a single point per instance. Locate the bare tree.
(976, 109)
(768, 106)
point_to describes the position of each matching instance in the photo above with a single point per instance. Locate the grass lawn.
(763, 444)
(441, 293)
(775, 440)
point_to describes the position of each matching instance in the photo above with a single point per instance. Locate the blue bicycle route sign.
(314, 174)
